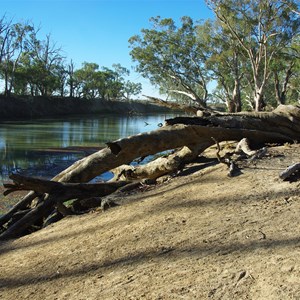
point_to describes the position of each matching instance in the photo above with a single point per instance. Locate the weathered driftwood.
(21, 205)
(281, 125)
(243, 145)
(231, 158)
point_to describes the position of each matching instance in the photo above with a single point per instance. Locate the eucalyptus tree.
(293, 85)
(225, 63)
(113, 81)
(4, 33)
(126, 88)
(87, 80)
(120, 72)
(285, 70)
(13, 37)
(70, 69)
(44, 61)
(173, 58)
(16, 44)
(92, 82)
(131, 89)
(263, 29)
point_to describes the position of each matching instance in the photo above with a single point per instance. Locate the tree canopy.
(247, 57)
(37, 67)
(173, 58)
(250, 51)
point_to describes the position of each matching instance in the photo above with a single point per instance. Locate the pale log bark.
(158, 167)
(281, 125)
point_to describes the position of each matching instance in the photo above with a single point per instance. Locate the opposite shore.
(25, 107)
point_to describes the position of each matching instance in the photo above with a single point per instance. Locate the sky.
(97, 31)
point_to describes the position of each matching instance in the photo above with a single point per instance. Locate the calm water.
(46, 147)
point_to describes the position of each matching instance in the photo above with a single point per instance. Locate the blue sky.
(98, 30)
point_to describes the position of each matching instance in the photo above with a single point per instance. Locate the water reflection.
(35, 147)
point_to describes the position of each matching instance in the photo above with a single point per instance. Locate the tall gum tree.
(44, 61)
(173, 58)
(285, 70)
(262, 29)
(225, 62)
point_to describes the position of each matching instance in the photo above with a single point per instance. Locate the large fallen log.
(281, 125)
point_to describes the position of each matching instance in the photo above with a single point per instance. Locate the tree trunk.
(281, 93)
(236, 96)
(258, 99)
(63, 191)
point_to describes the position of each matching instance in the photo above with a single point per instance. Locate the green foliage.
(131, 89)
(31, 66)
(249, 51)
(263, 32)
(90, 82)
(249, 54)
(173, 58)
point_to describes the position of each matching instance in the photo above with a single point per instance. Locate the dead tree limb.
(55, 194)
(173, 105)
(21, 205)
(158, 167)
(64, 191)
(243, 145)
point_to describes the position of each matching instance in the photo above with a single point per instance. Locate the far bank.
(25, 107)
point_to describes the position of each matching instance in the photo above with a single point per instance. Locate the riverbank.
(15, 108)
(201, 235)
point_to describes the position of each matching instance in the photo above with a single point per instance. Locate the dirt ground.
(201, 235)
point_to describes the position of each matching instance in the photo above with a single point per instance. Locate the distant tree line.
(31, 66)
(250, 52)
(248, 57)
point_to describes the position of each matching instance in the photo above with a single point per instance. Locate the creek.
(45, 147)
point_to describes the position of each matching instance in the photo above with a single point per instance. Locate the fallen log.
(21, 205)
(281, 125)
(173, 105)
